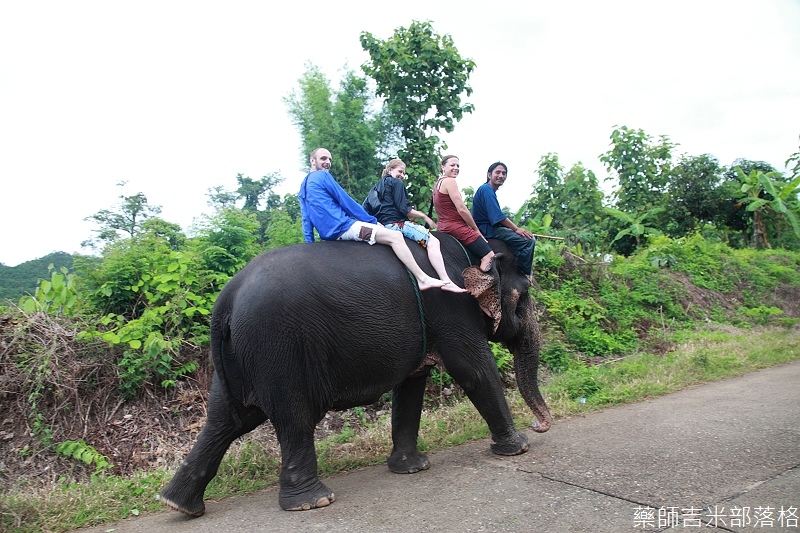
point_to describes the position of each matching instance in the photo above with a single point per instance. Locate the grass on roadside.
(253, 462)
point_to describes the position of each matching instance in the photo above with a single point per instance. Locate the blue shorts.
(416, 232)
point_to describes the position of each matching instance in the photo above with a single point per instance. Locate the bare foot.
(449, 286)
(487, 260)
(430, 283)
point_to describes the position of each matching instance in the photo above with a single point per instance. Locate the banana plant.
(762, 191)
(635, 223)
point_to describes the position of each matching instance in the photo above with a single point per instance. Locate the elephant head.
(503, 294)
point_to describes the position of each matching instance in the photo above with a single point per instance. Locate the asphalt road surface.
(716, 457)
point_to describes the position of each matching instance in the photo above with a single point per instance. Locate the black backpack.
(372, 203)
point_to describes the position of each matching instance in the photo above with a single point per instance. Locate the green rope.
(466, 254)
(421, 313)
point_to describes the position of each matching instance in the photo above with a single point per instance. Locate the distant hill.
(23, 279)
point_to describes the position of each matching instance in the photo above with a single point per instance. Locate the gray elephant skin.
(314, 327)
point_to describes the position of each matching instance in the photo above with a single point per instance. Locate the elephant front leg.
(492, 406)
(407, 400)
(301, 488)
(486, 394)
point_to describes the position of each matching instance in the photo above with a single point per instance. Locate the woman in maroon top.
(454, 216)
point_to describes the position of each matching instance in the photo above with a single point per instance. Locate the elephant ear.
(485, 287)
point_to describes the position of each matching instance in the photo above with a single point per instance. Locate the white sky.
(176, 97)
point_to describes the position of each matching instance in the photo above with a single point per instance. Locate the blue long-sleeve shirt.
(486, 210)
(326, 206)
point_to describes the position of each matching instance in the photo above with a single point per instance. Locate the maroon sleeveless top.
(449, 221)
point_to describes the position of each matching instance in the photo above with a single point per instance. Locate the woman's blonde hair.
(391, 165)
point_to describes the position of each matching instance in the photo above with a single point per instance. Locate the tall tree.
(125, 219)
(311, 109)
(357, 136)
(572, 200)
(641, 167)
(548, 188)
(421, 76)
(768, 193)
(734, 214)
(583, 212)
(250, 195)
(342, 121)
(694, 196)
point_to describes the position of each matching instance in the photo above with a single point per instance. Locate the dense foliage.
(343, 122)
(24, 278)
(421, 76)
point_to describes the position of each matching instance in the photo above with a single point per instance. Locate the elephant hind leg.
(301, 488)
(185, 491)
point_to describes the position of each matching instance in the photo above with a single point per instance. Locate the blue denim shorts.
(416, 232)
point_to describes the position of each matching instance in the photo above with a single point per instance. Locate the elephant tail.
(227, 374)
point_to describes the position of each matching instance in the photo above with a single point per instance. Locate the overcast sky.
(176, 97)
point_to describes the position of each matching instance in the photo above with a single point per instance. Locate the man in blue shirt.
(326, 207)
(494, 224)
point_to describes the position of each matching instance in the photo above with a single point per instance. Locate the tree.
(543, 202)
(572, 201)
(126, 218)
(641, 167)
(548, 187)
(228, 240)
(343, 122)
(113, 284)
(583, 212)
(421, 76)
(251, 193)
(357, 137)
(734, 214)
(694, 196)
(763, 192)
(311, 110)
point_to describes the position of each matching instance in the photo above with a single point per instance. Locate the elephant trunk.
(526, 366)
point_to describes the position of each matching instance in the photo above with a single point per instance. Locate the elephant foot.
(515, 445)
(408, 463)
(195, 509)
(321, 497)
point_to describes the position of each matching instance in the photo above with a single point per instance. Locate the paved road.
(733, 446)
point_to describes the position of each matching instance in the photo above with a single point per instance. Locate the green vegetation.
(24, 278)
(421, 76)
(612, 333)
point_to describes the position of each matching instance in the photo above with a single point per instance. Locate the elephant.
(313, 327)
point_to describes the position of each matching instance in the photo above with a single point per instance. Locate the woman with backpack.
(388, 202)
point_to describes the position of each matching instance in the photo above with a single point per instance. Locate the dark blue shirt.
(486, 210)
